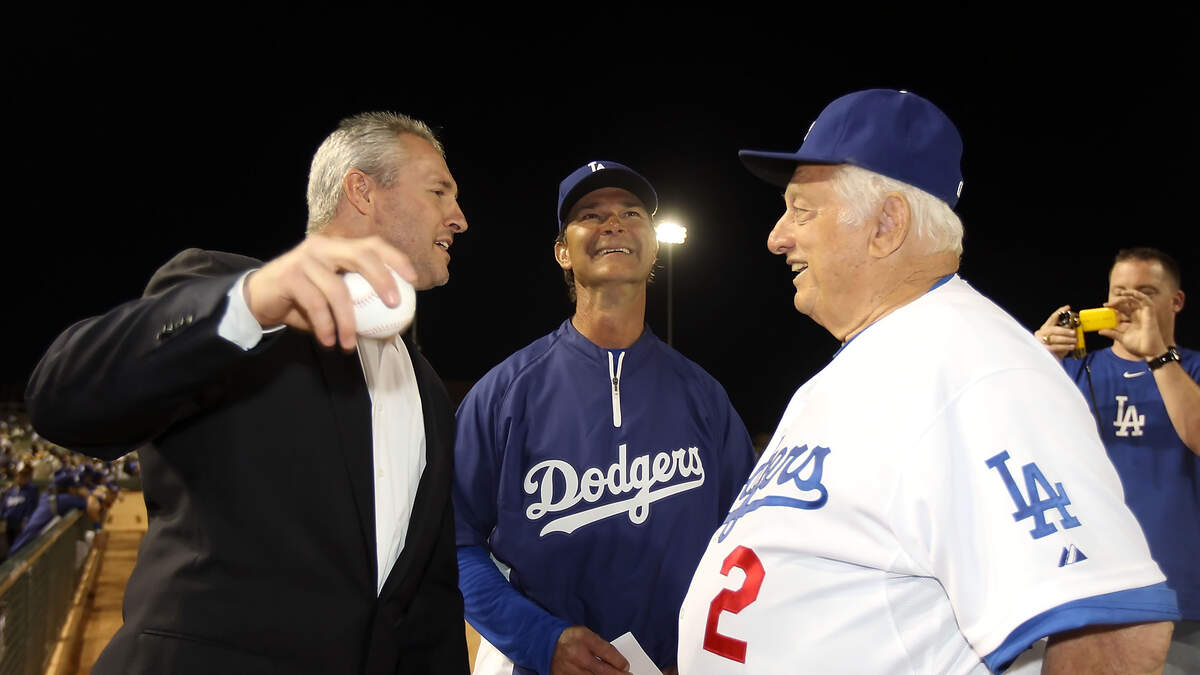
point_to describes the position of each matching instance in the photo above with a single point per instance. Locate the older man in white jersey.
(917, 510)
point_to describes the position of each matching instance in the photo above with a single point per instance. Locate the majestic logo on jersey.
(559, 487)
(1070, 556)
(1127, 416)
(1035, 506)
(799, 466)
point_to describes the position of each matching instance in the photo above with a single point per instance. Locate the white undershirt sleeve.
(238, 324)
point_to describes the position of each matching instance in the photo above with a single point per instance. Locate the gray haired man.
(226, 377)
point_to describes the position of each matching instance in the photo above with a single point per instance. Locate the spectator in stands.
(68, 495)
(16, 505)
(44, 467)
(19, 501)
(89, 476)
(6, 452)
(131, 465)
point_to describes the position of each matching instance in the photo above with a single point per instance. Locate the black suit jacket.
(257, 474)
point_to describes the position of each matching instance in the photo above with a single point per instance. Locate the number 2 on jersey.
(729, 600)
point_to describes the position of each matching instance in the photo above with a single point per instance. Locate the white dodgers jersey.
(933, 488)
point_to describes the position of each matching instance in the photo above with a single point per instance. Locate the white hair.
(861, 191)
(366, 142)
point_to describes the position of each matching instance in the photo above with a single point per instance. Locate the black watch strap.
(1172, 354)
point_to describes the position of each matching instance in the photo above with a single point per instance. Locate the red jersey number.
(733, 601)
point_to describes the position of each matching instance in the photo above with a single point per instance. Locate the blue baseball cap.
(65, 479)
(893, 133)
(88, 475)
(602, 174)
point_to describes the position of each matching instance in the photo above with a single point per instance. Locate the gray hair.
(366, 142)
(861, 191)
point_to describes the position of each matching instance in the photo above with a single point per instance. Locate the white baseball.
(374, 319)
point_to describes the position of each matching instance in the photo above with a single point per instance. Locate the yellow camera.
(1087, 321)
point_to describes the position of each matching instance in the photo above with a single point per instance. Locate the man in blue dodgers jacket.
(594, 463)
(1145, 395)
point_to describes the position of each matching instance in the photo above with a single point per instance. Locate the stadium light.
(670, 233)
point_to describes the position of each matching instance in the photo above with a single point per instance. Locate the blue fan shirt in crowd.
(18, 503)
(48, 506)
(1161, 476)
(598, 482)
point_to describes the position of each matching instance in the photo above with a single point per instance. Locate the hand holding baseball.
(372, 317)
(304, 289)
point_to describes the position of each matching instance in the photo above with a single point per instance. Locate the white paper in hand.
(640, 662)
(374, 319)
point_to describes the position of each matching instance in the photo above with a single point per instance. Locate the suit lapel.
(433, 490)
(351, 405)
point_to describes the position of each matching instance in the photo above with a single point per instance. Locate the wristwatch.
(1172, 354)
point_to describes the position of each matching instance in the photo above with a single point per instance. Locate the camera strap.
(1087, 368)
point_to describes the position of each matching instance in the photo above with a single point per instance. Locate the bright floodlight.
(670, 232)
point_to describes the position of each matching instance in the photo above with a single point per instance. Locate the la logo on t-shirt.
(1127, 416)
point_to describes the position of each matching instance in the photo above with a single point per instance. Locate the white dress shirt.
(397, 425)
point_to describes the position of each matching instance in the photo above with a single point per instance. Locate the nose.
(613, 223)
(456, 220)
(779, 241)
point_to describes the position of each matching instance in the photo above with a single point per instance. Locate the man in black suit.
(298, 492)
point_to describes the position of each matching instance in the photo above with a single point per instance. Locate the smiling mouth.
(444, 244)
(606, 251)
(799, 268)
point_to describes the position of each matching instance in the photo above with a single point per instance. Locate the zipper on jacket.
(615, 377)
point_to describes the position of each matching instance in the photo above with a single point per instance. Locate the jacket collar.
(571, 336)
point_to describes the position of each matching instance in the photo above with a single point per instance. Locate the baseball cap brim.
(777, 168)
(610, 177)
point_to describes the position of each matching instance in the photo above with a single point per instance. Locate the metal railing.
(37, 585)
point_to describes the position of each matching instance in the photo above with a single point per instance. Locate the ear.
(357, 188)
(562, 255)
(1177, 301)
(891, 226)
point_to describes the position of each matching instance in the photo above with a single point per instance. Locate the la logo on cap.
(595, 166)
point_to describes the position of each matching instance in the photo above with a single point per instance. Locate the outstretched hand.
(303, 288)
(579, 650)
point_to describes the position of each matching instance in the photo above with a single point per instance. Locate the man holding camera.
(1144, 395)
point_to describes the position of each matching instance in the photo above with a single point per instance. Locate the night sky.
(123, 151)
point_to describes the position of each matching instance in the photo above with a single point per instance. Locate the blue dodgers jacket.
(597, 477)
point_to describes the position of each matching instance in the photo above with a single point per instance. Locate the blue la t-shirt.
(1161, 476)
